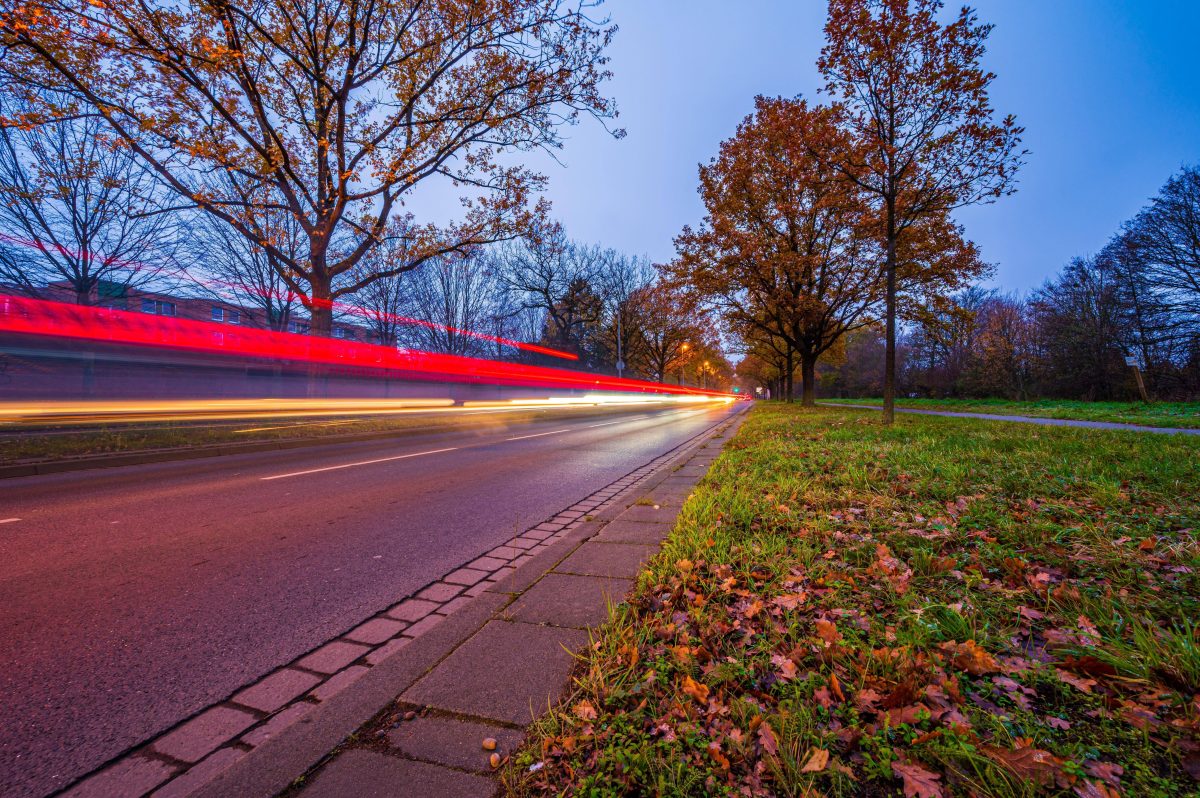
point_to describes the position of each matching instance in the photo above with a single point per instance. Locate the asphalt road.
(131, 598)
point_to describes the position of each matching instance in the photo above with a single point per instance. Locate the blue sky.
(1108, 91)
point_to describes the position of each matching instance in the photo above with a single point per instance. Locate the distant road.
(132, 597)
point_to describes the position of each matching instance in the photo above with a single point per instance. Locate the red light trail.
(35, 317)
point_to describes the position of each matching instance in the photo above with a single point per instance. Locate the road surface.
(131, 598)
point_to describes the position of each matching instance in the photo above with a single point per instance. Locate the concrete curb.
(268, 733)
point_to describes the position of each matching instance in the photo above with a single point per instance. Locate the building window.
(233, 317)
(158, 307)
(218, 314)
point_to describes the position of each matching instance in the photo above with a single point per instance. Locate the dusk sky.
(1106, 89)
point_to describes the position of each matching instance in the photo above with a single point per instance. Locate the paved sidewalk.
(518, 662)
(1052, 422)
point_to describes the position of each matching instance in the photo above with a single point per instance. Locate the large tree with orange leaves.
(784, 248)
(332, 111)
(915, 99)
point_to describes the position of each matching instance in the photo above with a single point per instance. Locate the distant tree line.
(1138, 298)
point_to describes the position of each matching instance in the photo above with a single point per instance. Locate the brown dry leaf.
(789, 601)
(714, 750)
(585, 711)
(918, 782)
(695, 689)
(817, 761)
(836, 687)
(766, 738)
(828, 632)
(971, 657)
(1041, 767)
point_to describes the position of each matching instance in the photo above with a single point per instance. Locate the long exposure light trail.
(51, 321)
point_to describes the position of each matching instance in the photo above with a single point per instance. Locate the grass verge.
(1158, 414)
(947, 607)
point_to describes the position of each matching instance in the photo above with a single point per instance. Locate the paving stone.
(647, 512)
(440, 592)
(453, 742)
(332, 657)
(386, 651)
(376, 631)
(367, 774)
(202, 735)
(548, 526)
(504, 553)
(501, 575)
(275, 725)
(475, 590)
(412, 610)
(634, 532)
(453, 606)
(568, 600)
(466, 576)
(487, 563)
(199, 775)
(607, 559)
(338, 682)
(521, 543)
(129, 778)
(424, 625)
(508, 672)
(276, 690)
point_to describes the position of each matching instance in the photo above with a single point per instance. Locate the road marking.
(9, 520)
(538, 434)
(606, 423)
(361, 463)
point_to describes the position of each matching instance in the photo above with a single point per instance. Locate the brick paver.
(201, 774)
(376, 631)
(439, 592)
(332, 657)
(276, 690)
(386, 652)
(200, 736)
(277, 723)
(467, 576)
(412, 610)
(338, 682)
(135, 775)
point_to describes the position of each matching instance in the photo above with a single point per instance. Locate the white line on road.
(538, 434)
(606, 423)
(362, 463)
(9, 520)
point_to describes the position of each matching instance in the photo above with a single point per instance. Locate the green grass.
(946, 607)
(1156, 414)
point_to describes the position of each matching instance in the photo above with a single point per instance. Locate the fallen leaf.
(827, 631)
(585, 711)
(766, 738)
(1033, 764)
(817, 761)
(918, 782)
(695, 689)
(714, 750)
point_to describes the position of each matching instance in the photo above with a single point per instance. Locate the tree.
(667, 328)
(76, 207)
(782, 247)
(561, 279)
(332, 112)
(916, 103)
(449, 300)
(226, 263)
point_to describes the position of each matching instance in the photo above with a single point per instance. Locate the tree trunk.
(789, 377)
(320, 309)
(889, 358)
(808, 373)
